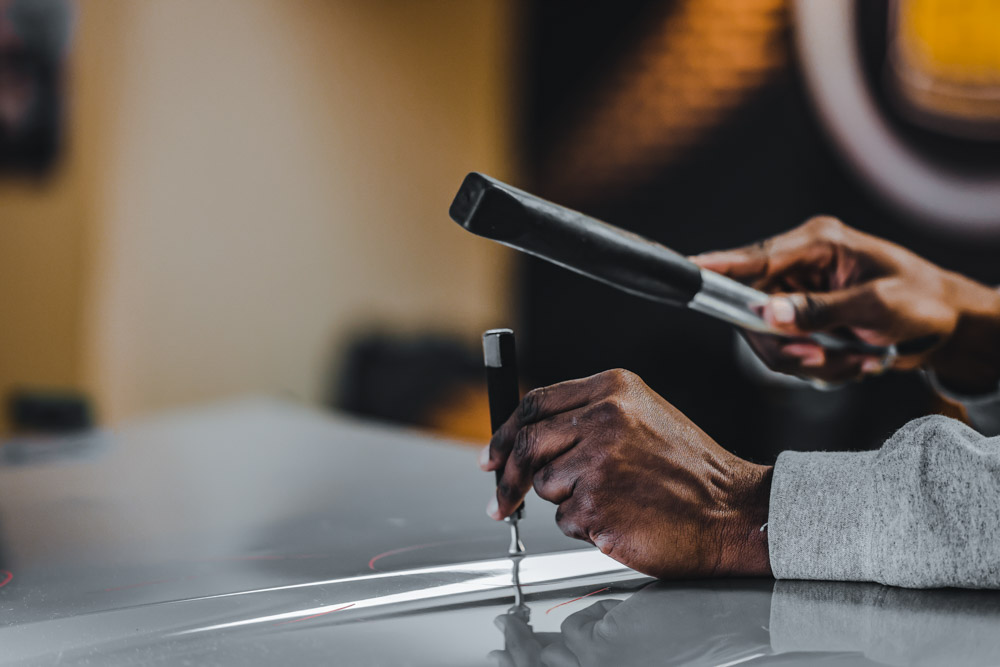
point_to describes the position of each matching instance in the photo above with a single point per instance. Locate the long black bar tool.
(497, 211)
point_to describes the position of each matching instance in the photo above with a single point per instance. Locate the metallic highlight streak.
(308, 618)
(566, 563)
(410, 596)
(742, 660)
(485, 577)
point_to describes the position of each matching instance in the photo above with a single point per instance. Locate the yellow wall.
(268, 174)
(43, 230)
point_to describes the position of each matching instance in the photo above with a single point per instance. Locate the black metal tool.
(502, 385)
(497, 211)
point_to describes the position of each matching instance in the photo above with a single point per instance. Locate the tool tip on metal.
(516, 546)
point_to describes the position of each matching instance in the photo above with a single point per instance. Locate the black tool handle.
(500, 357)
(498, 211)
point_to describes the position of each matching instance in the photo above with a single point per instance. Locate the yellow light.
(956, 40)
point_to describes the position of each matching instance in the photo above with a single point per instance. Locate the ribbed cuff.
(820, 516)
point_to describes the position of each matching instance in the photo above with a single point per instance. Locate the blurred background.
(203, 200)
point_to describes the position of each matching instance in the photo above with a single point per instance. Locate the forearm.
(924, 511)
(968, 362)
(966, 370)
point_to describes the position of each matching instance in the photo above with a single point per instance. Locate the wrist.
(969, 361)
(744, 539)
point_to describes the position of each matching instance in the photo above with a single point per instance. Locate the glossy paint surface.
(264, 533)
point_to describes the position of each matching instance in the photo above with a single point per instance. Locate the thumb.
(804, 312)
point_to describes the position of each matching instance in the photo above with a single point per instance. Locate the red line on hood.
(322, 613)
(579, 598)
(393, 552)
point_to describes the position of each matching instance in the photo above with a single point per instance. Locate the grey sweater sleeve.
(921, 512)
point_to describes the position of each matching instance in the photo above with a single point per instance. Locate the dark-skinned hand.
(826, 276)
(634, 477)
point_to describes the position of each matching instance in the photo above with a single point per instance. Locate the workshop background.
(203, 200)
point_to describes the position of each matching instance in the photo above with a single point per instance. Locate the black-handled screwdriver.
(500, 357)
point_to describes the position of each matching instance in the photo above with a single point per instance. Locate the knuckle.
(605, 541)
(531, 404)
(567, 525)
(619, 377)
(608, 628)
(525, 445)
(604, 413)
(501, 440)
(543, 476)
(812, 312)
(824, 226)
(762, 251)
(882, 295)
(505, 490)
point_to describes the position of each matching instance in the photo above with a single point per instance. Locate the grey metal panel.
(261, 532)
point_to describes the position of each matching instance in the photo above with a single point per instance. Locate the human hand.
(633, 476)
(522, 645)
(663, 624)
(827, 276)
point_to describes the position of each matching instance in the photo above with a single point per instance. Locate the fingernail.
(493, 508)
(873, 366)
(782, 311)
(484, 457)
(814, 360)
(500, 622)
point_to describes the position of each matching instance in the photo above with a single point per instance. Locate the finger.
(875, 365)
(519, 640)
(807, 360)
(539, 404)
(578, 626)
(571, 520)
(788, 356)
(764, 260)
(502, 659)
(535, 446)
(743, 264)
(558, 654)
(804, 312)
(808, 355)
(556, 480)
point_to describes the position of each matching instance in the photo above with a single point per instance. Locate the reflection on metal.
(484, 577)
(516, 545)
(727, 623)
(515, 576)
(740, 661)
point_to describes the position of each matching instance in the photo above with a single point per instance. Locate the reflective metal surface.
(264, 533)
